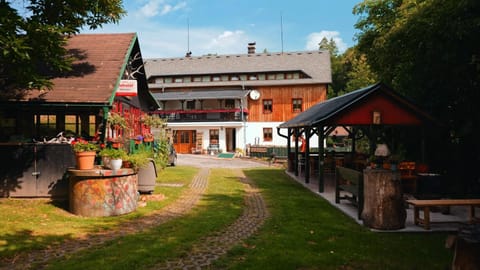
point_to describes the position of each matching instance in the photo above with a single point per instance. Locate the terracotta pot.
(85, 160)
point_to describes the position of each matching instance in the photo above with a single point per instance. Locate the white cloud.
(314, 38)
(159, 7)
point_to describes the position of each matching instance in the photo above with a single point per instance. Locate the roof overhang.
(196, 95)
(357, 108)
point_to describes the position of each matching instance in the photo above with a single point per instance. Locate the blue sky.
(168, 28)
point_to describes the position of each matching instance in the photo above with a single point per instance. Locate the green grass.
(218, 208)
(303, 232)
(306, 232)
(37, 223)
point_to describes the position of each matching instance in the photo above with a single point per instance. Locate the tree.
(32, 44)
(350, 70)
(338, 80)
(429, 50)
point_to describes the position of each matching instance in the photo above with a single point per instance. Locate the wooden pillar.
(296, 132)
(353, 134)
(307, 155)
(321, 159)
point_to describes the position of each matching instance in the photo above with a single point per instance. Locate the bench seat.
(349, 181)
(426, 204)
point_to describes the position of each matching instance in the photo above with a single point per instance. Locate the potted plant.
(138, 160)
(116, 120)
(113, 157)
(85, 153)
(152, 121)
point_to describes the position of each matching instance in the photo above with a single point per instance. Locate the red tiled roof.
(100, 61)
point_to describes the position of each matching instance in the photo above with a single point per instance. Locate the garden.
(302, 231)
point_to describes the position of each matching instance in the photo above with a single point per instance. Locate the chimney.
(251, 47)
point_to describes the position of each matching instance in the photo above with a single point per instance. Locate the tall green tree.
(430, 50)
(350, 70)
(33, 35)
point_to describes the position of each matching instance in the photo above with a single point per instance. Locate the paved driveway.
(207, 161)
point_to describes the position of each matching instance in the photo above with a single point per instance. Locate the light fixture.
(376, 118)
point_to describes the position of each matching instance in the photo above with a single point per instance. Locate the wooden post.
(307, 155)
(295, 164)
(383, 200)
(321, 159)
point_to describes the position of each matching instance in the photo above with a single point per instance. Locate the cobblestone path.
(40, 258)
(212, 247)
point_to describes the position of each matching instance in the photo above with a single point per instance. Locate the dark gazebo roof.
(356, 108)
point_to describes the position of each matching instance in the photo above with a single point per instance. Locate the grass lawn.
(37, 223)
(306, 232)
(303, 231)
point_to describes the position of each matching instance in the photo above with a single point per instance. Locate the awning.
(196, 95)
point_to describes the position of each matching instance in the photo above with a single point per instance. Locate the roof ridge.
(238, 55)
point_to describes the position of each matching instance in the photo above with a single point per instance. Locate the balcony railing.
(213, 115)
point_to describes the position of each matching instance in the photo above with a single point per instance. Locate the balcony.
(214, 115)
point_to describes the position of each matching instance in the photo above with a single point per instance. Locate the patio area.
(451, 222)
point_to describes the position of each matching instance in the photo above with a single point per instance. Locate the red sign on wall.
(127, 88)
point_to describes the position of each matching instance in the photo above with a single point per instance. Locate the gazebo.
(375, 105)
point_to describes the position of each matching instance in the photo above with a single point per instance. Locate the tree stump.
(383, 200)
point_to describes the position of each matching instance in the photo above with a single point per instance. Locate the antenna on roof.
(281, 29)
(189, 53)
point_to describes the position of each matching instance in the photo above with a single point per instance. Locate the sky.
(170, 28)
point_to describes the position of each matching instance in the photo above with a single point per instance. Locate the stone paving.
(203, 254)
(213, 247)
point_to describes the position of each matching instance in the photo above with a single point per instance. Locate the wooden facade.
(240, 98)
(282, 97)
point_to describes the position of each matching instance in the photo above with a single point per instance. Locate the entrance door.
(230, 138)
(184, 141)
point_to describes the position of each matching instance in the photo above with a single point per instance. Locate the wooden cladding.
(281, 98)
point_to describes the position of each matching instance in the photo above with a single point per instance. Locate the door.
(184, 141)
(230, 139)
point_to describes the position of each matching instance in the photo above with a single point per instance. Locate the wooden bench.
(349, 181)
(426, 204)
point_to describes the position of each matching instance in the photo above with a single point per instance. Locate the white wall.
(255, 130)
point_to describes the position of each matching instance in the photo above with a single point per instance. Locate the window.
(46, 123)
(297, 105)
(190, 104)
(267, 106)
(92, 125)
(252, 77)
(216, 78)
(206, 78)
(213, 136)
(229, 103)
(72, 124)
(178, 80)
(197, 79)
(270, 76)
(168, 79)
(234, 78)
(267, 134)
